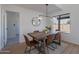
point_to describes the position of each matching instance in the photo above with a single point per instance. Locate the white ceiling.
(41, 7)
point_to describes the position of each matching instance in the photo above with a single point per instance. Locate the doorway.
(12, 28)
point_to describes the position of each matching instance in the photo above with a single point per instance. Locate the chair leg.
(59, 42)
(30, 50)
(47, 50)
(25, 50)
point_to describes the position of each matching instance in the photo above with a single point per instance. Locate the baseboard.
(70, 42)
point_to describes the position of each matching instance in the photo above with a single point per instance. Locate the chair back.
(49, 39)
(27, 40)
(58, 36)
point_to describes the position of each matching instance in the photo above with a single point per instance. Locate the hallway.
(12, 41)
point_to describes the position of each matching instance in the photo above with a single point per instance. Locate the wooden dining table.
(41, 38)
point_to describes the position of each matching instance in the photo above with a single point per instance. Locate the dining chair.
(31, 44)
(49, 41)
(57, 38)
(53, 40)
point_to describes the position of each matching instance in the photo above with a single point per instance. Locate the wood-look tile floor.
(65, 48)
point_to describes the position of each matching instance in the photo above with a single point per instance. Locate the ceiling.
(41, 7)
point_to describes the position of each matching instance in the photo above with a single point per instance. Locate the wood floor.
(65, 48)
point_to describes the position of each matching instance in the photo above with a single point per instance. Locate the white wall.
(12, 18)
(72, 37)
(26, 16)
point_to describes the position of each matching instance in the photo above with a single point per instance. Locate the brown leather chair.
(57, 38)
(49, 39)
(31, 44)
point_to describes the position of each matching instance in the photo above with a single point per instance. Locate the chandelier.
(46, 14)
(37, 20)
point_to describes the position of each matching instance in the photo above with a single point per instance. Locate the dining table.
(41, 38)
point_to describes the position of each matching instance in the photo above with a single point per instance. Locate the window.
(62, 23)
(55, 23)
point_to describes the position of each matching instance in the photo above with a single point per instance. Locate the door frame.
(18, 20)
(3, 28)
(4, 15)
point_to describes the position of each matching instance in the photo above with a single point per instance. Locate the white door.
(4, 28)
